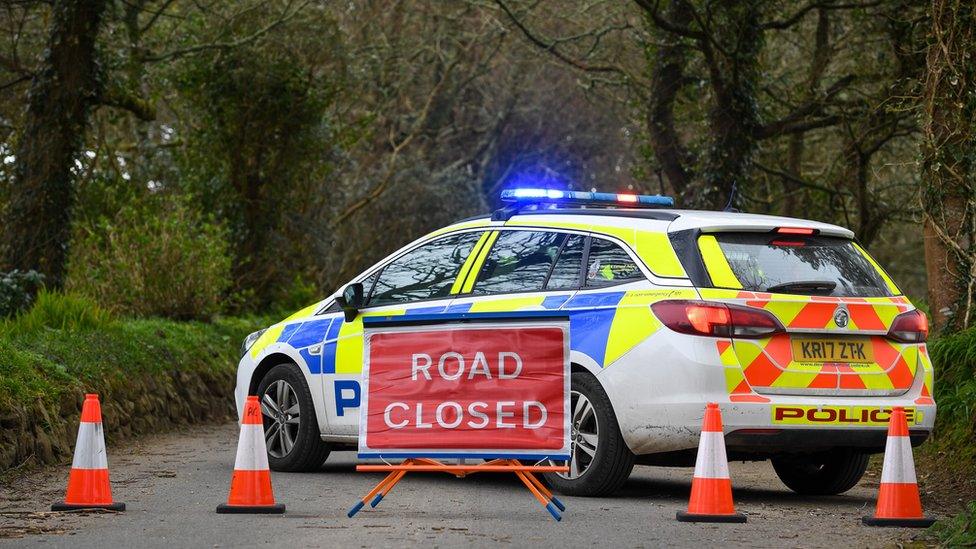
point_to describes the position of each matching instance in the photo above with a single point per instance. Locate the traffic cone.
(898, 499)
(711, 488)
(250, 486)
(88, 486)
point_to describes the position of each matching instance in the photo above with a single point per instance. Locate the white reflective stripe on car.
(90, 448)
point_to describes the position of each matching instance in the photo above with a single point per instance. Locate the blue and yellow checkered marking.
(603, 325)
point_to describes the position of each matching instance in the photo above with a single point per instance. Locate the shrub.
(17, 290)
(165, 261)
(954, 357)
(56, 311)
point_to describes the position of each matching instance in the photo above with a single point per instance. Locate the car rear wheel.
(291, 431)
(600, 460)
(821, 474)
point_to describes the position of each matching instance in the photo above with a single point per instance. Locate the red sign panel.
(488, 390)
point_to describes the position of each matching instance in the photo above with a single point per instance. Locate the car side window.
(609, 264)
(426, 272)
(519, 261)
(566, 272)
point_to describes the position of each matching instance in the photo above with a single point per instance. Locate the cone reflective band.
(88, 483)
(898, 499)
(711, 488)
(250, 486)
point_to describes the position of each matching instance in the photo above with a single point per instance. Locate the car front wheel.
(600, 460)
(291, 431)
(821, 474)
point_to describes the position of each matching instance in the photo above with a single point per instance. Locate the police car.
(790, 325)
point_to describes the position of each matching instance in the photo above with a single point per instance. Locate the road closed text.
(452, 366)
(466, 388)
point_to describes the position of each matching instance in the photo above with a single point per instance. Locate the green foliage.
(58, 312)
(296, 295)
(161, 259)
(17, 290)
(257, 156)
(958, 531)
(43, 363)
(954, 357)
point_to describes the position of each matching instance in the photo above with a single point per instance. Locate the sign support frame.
(498, 464)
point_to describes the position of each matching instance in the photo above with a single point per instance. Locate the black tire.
(309, 450)
(821, 474)
(612, 462)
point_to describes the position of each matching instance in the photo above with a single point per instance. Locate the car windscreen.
(800, 264)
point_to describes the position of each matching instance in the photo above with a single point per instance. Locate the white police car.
(789, 324)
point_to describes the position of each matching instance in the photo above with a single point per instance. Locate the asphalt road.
(171, 484)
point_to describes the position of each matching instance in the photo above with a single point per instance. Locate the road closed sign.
(466, 388)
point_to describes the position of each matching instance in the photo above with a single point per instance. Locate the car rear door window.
(426, 272)
(799, 264)
(566, 272)
(608, 264)
(519, 261)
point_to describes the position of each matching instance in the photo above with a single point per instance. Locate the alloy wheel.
(584, 436)
(280, 408)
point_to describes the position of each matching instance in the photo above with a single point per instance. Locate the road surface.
(171, 484)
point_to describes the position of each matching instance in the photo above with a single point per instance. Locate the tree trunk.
(948, 164)
(38, 218)
(733, 117)
(667, 75)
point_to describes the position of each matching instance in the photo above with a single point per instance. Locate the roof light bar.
(530, 195)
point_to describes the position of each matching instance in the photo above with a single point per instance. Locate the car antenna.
(733, 194)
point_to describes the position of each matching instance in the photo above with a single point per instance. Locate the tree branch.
(551, 46)
(121, 98)
(652, 10)
(225, 45)
(800, 13)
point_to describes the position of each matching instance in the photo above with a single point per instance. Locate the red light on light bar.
(627, 198)
(794, 230)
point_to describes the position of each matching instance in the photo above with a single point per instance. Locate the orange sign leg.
(525, 473)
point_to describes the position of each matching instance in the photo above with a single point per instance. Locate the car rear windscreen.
(813, 265)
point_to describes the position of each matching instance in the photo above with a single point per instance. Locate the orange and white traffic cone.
(88, 485)
(711, 488)
(250, 486)
(898, 500)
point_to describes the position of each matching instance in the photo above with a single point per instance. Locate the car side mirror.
(351, 300)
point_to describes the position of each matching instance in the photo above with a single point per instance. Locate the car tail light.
(715, 319)
(795, 230)
(910, 327)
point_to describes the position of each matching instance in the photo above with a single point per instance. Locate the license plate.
(851, 350)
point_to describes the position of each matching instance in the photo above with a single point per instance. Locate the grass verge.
(151, 374)
(947, 462)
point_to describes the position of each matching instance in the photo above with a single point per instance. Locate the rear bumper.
(779, 441)
(751, 428)
(659, 391)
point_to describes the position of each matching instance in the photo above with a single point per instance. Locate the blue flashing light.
(534, 195)
(520, 194)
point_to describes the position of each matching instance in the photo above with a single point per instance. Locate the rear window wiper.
(804, 286)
